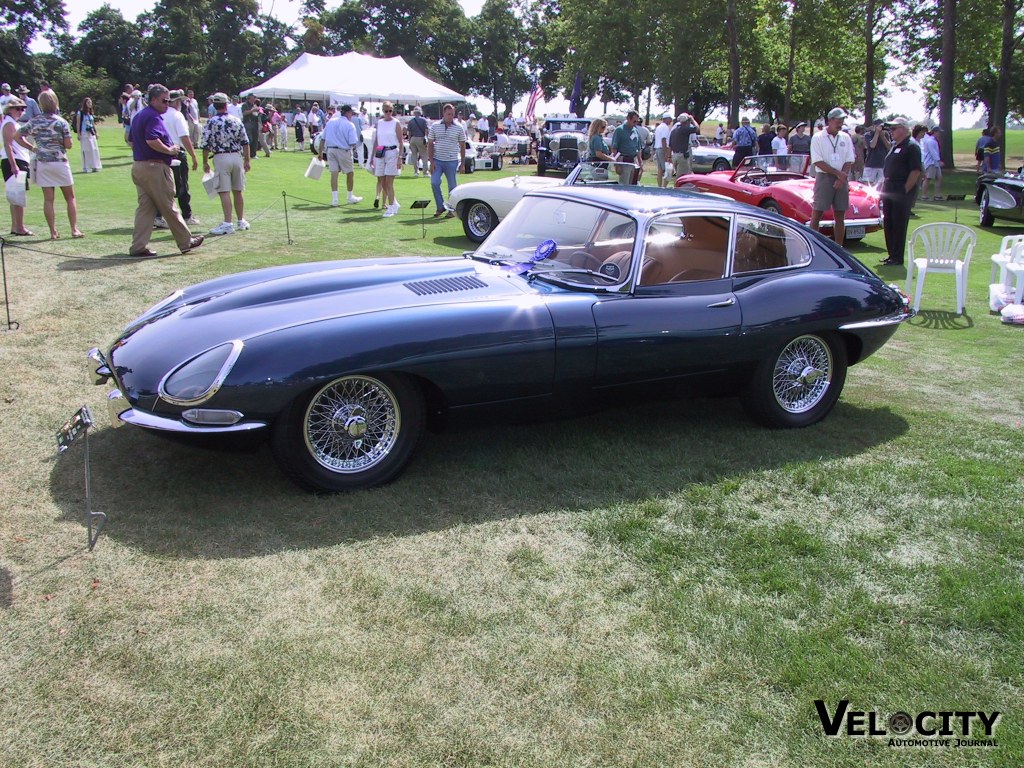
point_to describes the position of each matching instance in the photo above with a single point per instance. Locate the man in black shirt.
(764, 141)
(901, 171)
(679, 143)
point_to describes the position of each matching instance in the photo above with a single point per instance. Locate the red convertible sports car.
(784, 184)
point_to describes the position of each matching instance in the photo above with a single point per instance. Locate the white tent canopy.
(351, 78)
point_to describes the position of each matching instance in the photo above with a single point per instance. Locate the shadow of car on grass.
(173, 500)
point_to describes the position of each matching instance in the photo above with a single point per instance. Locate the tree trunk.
(788, 98)
(734, 63)
(999, 110)
(869, 69)
(947, 71)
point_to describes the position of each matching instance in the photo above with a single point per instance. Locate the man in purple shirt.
(153, 150)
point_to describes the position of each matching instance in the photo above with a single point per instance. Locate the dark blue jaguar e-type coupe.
(580, 292)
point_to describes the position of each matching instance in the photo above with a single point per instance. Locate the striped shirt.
(447, 140)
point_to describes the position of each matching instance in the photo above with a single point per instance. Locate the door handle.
(727, 303)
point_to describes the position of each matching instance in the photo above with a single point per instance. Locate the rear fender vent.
(446, 285)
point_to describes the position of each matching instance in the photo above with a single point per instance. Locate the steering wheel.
(757, 176)
(584, 260)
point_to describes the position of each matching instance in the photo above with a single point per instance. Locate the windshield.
(775, 164)
(586, 239)
(581, 126)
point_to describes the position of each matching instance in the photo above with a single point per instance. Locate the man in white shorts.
(225, 139)
(340, 137)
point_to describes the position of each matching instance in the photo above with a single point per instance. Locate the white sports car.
(482, 204)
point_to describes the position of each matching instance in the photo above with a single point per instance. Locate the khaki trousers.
(154, 183)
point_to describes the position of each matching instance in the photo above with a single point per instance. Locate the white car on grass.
(480, 205)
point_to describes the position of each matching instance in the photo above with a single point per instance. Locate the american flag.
(536, 95)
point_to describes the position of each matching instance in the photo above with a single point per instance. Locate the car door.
(681, 317)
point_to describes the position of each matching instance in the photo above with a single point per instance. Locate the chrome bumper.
(866, 223)
(880, 322)
(121, 411)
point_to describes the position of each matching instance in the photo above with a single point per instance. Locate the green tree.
(503, 74)
(111, 43)
(433, 36)
(72, 81)
(20, 22)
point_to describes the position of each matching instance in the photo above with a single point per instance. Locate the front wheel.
(721, 164)
(986, 219)
(478, 220)
(799, 383)
(355, 432)
(496, 162)
(770, 205)
(542, 166)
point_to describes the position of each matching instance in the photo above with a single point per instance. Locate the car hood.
(476, 189)
(251, 304)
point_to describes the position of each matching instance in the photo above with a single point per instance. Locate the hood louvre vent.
(445, 285)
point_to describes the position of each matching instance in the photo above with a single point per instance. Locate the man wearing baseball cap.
(832, 158)
(225, 138)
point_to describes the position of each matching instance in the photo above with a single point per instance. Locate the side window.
(762, 245)
(681, 249)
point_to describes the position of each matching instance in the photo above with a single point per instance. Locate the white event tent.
(351, 78)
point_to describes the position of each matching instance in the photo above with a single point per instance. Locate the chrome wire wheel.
(480, 220)
(803, 374)
(352, 424)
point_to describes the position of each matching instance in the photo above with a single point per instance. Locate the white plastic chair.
(1004, 257)
(943, 247)
(1015, 268)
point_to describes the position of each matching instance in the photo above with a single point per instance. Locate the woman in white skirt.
(387, 157)
(52, 136)
(85, 125)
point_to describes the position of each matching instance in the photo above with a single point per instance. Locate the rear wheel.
(469, 166)
(721, 164)
(478, 220)
(986, 219)
(798, 383)
(771, 205)
(496, 162)
(356, 432)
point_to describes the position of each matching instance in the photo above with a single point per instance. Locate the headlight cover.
(199, 379)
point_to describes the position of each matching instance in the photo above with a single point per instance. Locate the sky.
(907, 102)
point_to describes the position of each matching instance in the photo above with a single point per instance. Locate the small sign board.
(73, 429)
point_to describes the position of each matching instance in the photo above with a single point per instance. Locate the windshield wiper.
(547, 270)
(503, 256)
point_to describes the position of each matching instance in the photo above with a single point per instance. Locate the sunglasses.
(17, 109)
(388, 111)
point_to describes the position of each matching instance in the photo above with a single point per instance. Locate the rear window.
(761, 245)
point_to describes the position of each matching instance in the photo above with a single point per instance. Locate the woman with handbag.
(14, 159)
(387, 157)
(85, 125)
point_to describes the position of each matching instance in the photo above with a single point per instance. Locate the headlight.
(554, 145)
(199, 379)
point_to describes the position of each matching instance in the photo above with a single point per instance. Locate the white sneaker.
(334, 201)
(354, 199)
(193, 221)
(159, 223)
(395, 206)
(224, 228)
(242, 224)
(388, 212)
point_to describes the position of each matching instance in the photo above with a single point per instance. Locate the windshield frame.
(606, 235)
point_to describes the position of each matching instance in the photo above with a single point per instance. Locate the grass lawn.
(656, 585)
